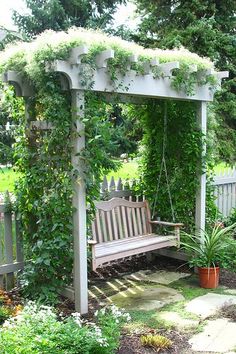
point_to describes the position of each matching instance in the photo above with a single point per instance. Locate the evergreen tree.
(208, 28)
(62, 14)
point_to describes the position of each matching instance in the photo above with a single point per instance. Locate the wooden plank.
(114, 223)
(134, 251)
(129, 222)
(139, 223)
(114, 202)
(99, 228)
(119, 223)
(134, 219)
(200, 206)
(79, 204)
(94, 233)
(144, 220)
(8, 239)
(19, 241)
(11, 267)
(123, 213)
(138, 85)
(223, 180)
(103, 226)
(109, 228)
(117, 194)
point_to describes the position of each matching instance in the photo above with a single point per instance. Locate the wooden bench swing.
(123, 228)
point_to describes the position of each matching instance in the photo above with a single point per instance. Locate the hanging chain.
(164, 168)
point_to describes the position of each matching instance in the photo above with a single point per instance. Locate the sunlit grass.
(7, 179)
(128, 170)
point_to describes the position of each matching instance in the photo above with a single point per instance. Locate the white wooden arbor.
(132, 88)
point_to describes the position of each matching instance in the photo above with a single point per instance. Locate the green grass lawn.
(128, 170)
(7, 179)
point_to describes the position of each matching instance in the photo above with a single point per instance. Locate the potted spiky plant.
(206, 249)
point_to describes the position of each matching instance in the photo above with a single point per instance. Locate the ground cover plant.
(38, 329)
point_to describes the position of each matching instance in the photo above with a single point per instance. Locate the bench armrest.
(166, 223)
(92, 242)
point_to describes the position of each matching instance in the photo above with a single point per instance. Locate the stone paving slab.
(158, 276)
(177, 320)
(208, 305)
(218, 336)
(146, 297)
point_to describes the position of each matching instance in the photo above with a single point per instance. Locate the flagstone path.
(147, 291)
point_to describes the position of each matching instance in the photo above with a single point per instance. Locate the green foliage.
(38, 330)
(5, 313)
(208, 29)
(156, 341)
(212, 247)
(62, 14)
(183, 153)
(44, 191)
(231, 219)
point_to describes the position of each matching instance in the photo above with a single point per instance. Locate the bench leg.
(94, 265)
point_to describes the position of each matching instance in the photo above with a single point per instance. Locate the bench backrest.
(119, 218)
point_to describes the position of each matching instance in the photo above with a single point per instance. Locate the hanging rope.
(163, 168)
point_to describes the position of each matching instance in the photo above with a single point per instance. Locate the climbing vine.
(44, 191)
(183, 149)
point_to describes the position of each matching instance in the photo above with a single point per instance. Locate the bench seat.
(109, 251)
(123, 228)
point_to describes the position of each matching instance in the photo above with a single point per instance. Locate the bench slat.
(108, 205)
(129, 218)
(109, 228)
(102, 249)
(144, 220)
(124, 222)
(140, 231)
(134, 222)
(120, 228)
(103, 226)
(99, 229)
(94, 233)
(114, 223)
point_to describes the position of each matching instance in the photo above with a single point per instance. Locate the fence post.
(19, 241)
(1, 246)
(8, 246)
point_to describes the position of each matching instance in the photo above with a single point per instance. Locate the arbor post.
(200, 212)
(79, 204)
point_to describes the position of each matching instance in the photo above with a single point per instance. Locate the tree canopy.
(207, 28)
(62, 14)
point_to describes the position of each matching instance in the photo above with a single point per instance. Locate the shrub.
(37, 330)
(155, 341)
(5, 313)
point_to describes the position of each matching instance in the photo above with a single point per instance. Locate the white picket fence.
(224, 183)
(225, 191)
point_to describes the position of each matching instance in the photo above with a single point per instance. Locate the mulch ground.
(131, 344)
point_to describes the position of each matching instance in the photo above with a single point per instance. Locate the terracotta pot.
(209, 277)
